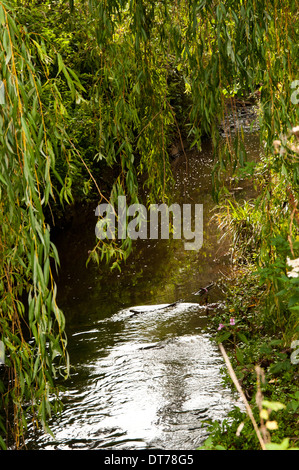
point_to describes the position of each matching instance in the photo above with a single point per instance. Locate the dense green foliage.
(266, 364)
(92, 95)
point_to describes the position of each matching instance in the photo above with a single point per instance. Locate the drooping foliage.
(31, 138)
(92, 95)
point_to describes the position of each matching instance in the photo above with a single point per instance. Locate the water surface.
(147, 380)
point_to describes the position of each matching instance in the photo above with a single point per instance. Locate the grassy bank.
(258, 325)
(265, 365)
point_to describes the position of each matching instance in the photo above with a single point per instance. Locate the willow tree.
(222, 52)
(140, 58)
(31, 137)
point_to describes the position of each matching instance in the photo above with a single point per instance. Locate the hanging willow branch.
(137, 53)
(32, 326)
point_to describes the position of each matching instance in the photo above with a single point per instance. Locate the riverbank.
(265, 361)
(259, 323)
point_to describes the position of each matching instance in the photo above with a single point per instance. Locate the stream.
(148, 380)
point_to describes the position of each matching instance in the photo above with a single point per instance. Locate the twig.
(89, 172)
(135, 312)
(178, 128)
(142, 130)
(202, 290)
(238, 387)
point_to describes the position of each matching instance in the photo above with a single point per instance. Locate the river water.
(148, 380)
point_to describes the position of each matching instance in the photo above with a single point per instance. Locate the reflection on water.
(147, 380)
(152, 388)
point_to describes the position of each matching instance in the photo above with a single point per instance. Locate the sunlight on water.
(149, 390)
(144, 375)
(145, 396)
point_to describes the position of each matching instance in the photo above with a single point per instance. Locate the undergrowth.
(252, 341)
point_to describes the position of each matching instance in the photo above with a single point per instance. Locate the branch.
(238, 387)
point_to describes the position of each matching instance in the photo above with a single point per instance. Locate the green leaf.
(224, 336)
(273, 405)
(242, 337)
(280, 367)
(2, 444)
(2, 16)
(240, 355)
(61, 65)
(282, 446)
(3, 180)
